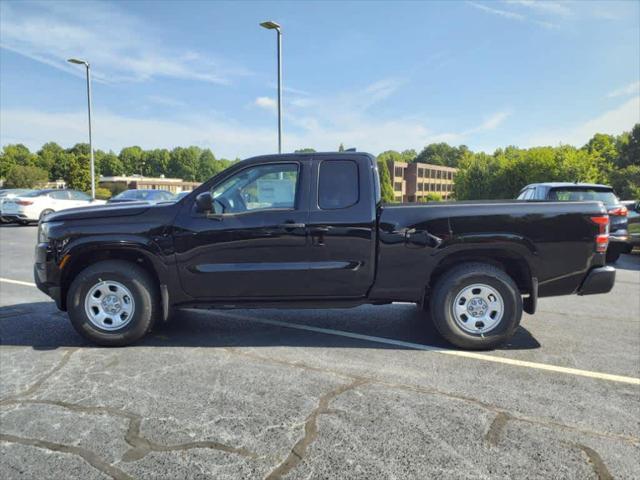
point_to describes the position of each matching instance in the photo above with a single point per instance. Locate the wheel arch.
(78, 261)
(513, 263)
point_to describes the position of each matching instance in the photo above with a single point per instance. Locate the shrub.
(103, 193)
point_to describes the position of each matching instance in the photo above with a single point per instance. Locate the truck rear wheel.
(113, 303)
(476, 306)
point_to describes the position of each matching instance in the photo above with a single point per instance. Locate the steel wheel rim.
(478, 308)
(109, 305)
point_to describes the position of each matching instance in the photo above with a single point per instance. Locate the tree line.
(20, 168)
(608, 159)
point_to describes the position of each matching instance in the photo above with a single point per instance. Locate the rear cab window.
(583, 194)
(338, 184)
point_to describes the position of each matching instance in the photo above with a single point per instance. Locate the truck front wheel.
(113, 303)
(476, 306)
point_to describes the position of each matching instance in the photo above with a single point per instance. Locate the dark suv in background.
(580, 192)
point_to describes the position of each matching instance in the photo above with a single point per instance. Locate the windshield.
(135, 194)
(584, 194)
(35, 193)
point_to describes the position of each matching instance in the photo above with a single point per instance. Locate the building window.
(398, 172)
(421, 172)
(397, 186)
(398, 198)
(420, 187)
(450, 175)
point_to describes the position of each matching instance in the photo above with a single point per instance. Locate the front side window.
(60, 195)
(269, 186)
(338, 185)
(79, 196)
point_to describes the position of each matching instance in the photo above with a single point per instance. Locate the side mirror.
(204, 202)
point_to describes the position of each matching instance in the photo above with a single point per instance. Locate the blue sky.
(376, 76)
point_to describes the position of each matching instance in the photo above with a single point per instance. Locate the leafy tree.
(131, 158)
(78, 174)
(386, 188)
(25, 176)
(80, 150)
(48, 156)
(603, 146)
(390, 155)
(441, 154)
(305, 150)
(408, 156)
(626, 182)
(208, 166)
(184, 162)
(156, 162)
(13, 155)
(110, 165)
(629, 148)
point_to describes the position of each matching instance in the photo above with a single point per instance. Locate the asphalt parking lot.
(371, 392)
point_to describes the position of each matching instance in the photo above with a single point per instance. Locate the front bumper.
(47, 274)
(598, 280)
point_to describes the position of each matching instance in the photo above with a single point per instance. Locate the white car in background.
(10, 193)
(31, 207)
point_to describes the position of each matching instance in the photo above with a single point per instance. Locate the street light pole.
(92, 164)
(274, 26)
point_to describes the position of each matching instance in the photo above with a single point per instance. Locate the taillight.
(602, 239)
(24, 203)
(619, 211)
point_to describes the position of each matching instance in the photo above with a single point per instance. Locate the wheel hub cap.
(478, 308)
(109, 305)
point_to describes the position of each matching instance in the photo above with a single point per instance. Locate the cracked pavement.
(218, 395)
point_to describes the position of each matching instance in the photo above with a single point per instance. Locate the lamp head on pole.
(78, 62)
(269, 25)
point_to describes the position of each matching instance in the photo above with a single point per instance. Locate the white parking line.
(418, 346)
(456, 353)
(17, 282)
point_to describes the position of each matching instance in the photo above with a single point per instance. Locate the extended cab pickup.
(309, 230)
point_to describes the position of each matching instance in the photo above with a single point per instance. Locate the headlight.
(44, 229)
(43, 232)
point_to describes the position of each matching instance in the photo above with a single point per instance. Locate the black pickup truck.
(310, 230)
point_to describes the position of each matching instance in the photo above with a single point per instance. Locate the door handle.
(292, 225)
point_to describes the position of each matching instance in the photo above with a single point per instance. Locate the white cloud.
(344, 117)
(512, 15)
(267, 103)
(497, 11)
(493, 121)
(119, 46)
(166, 101)
(543, 6)
(630, 89)
(614, 122)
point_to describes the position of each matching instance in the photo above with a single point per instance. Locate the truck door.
(258, 248)
(342, 227)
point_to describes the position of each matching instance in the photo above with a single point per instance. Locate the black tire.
(143, 290)
(45, 212)
(456, 280)
(613, 254)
